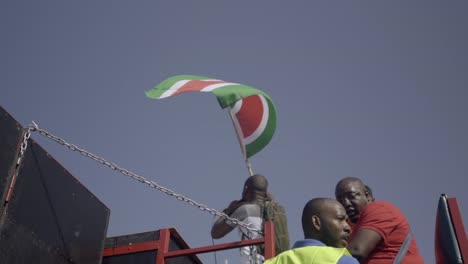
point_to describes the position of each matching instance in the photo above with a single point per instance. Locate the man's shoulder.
(381, 203)
(307, 243)
(382, 207)
(345, 259)
(382, 217)
(249, 207)
(338, 255)
(247, 210)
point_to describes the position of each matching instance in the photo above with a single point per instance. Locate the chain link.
(19, 159)
(24, 146)
(152, 184)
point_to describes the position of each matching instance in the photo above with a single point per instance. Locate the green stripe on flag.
(229, 95)
(163, 86)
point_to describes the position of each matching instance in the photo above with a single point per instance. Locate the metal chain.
(19, 159)
(24, 146)
(253, 251)
(152, 184)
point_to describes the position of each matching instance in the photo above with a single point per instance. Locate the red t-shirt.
(388, 221)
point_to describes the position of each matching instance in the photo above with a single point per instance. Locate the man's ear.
(316, 223)
(244, 192)
(368, 196)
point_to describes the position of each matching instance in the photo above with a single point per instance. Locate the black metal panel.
(132, 239)
(446, 244)
(10, 140)
(51, 217)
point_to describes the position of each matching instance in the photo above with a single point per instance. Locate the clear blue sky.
(373, 89)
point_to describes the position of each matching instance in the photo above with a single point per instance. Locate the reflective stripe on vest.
(310, 255)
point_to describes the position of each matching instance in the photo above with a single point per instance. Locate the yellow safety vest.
(309, 255)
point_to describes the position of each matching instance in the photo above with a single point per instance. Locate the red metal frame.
(459, 227)
(164, 237)
(131, 248)
(162, 245)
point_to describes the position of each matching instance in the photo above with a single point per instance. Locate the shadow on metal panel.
(450, 236)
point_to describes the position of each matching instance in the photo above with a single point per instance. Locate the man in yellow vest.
(326, 233)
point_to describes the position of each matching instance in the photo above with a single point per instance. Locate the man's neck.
(258, 198)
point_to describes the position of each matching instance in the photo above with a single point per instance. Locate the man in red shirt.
(380, 229)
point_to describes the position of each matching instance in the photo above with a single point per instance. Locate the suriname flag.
(253, 112)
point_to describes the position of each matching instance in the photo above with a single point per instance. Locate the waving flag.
(252, 110)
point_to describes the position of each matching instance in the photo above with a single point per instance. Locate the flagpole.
(239, 139)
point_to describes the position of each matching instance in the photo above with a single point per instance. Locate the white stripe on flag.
(215, 86)
(176, 86)
(235, 109)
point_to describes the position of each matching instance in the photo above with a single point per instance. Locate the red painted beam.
(162, 245)
(164, 240)
(268, 240)
(131, 248)
(269, 234)
(199, 250)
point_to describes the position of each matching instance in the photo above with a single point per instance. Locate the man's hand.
(233, 206)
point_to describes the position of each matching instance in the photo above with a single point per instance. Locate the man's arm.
(221, 227)
(364, 241)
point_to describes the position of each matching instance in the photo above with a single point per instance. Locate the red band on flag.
(195, 86)
(250, 116)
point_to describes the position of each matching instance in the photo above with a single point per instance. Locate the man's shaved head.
(354, 195)
(345, 181)
(324, 219)
(255, 188)
(313, 207)
(257, 182)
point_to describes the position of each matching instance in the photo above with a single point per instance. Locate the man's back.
(274, 212)
(250, 214)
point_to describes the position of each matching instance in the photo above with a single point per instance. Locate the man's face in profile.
(354, 198)
(335, 227)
